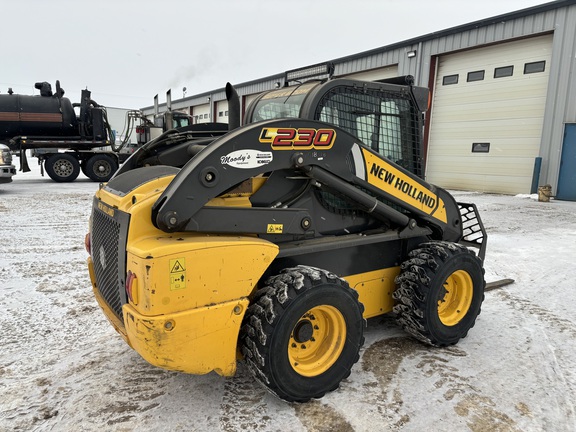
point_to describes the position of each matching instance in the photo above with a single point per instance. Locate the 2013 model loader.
(274, 243)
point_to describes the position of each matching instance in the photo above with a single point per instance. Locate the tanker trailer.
(63, 140)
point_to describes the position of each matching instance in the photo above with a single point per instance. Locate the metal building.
(503, 99)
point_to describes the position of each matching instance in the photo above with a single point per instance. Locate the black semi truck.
(65, 137)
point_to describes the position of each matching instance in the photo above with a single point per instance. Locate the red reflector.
(130, 282)
(87, 244)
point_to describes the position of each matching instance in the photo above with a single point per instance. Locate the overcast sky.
(127, 51)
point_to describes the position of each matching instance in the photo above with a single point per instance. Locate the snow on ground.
(63, 367)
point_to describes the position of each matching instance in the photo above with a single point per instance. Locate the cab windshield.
(282, 103)
(178, 122)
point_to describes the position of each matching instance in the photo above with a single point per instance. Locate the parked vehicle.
(64, 142)
(7, 170)
(274, 242)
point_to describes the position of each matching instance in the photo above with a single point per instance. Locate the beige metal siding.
(375, 74)
(506, 112)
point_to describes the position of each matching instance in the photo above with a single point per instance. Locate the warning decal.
(177, 274)
(275, 229)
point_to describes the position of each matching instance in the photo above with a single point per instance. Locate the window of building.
(480, 147)
(221, 114)
(502, 72)
(475, 76)
(534, 67)
(450, 79)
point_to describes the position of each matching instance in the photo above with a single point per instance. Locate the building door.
(567, 178)
(487, 116)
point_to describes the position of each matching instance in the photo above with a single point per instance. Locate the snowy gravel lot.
(63, 367)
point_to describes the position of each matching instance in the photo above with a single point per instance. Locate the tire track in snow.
(560, 324)
(243, 404)
(246, 405)
(562, 370)
(383, 359)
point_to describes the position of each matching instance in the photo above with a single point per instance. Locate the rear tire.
(100, 168)
(62, 167)
(303, 333)
(440, 292)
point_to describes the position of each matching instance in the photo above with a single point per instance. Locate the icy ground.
(63, 368)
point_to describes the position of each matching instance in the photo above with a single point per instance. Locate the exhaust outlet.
(233, 107)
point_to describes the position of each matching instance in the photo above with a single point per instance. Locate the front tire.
(440, 292)
(303, 333)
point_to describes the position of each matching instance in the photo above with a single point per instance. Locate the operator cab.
(383, 115)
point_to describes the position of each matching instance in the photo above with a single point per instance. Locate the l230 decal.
(300, 139)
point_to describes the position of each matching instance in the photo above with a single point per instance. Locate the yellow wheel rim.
(317, 340)
(459, 290)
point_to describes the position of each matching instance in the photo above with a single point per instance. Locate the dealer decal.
(246, 159)
(298, 139)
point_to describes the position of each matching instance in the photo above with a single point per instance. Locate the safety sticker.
(246, 159)
(177, 274)
(275, 229)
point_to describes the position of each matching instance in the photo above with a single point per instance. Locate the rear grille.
(109, 229)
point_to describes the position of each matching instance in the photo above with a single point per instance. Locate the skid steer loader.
(274, 243)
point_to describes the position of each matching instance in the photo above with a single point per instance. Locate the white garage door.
(248, 100)
(201, 113)
(487, 115)
(222, 111)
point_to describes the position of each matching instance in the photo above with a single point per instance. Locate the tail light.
(132, 287)
(88, 244)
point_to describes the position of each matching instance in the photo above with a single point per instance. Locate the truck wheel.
(439, 292)
(303, 332)
(100, 168)
(62, 167)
